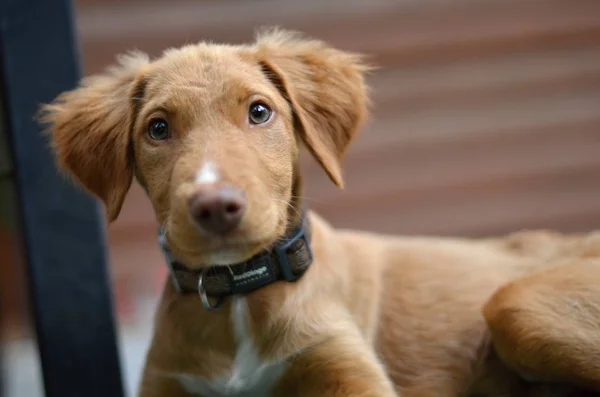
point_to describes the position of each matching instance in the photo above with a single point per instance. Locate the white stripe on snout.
(207, 174)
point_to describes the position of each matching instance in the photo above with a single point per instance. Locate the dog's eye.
(158, 130)
(259, 113)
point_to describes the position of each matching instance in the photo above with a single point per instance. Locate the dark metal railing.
(61, 230)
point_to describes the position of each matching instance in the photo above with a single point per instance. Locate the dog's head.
(212, 133)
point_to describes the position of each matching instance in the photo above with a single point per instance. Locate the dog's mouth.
(222, 251)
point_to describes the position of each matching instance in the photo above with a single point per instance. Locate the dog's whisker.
(212, 271)
(290, 206)
(307, 199)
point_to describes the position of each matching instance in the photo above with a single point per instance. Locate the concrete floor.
(22, 367)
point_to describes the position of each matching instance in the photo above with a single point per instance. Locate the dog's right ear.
(325, 88)
(90, 129)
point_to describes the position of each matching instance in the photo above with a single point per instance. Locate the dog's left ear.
(325, 88)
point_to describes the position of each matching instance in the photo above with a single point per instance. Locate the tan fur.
(91, 131)
(374, 315)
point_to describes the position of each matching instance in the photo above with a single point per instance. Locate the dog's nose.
(218, 210)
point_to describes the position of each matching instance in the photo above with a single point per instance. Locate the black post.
(61, 229)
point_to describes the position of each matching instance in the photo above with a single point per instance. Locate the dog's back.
(430, 330)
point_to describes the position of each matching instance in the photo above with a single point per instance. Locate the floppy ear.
(90, 130)
(325, 88)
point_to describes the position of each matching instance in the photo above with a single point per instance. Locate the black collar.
(287, 261)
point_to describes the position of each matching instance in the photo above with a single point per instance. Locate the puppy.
(266, 298)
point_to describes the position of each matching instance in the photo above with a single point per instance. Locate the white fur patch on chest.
(250, 376)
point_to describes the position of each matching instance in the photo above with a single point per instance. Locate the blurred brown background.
(486, 117)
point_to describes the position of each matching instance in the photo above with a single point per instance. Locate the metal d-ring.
(204, 297)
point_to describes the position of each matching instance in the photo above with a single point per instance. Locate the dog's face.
(214, 145)
(212, 133)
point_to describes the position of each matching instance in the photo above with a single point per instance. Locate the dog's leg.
(342, 366)
(163, 388)
(546, 326)
(157, 385)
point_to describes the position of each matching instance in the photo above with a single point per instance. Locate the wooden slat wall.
(486, 118)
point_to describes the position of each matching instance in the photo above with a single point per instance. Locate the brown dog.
(212, 132)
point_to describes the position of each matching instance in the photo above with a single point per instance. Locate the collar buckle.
(281, 253)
